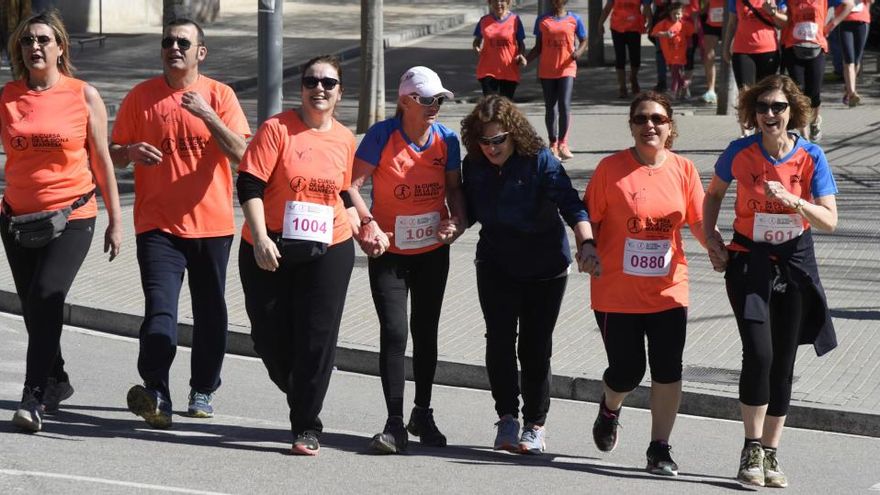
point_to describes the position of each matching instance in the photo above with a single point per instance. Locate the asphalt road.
(94, 445)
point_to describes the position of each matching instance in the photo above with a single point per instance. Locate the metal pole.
(379, 110)
(726, 90)
(270, 61)
(596, 45)
(371, 65)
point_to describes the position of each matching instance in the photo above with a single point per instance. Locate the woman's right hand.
(717, 252)
(266, 253)
(373, 241)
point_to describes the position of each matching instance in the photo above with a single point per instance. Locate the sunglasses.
(311, 82)
(494, 140)
(428, 101)
(182, 43)
(655, 118)
(777, 107)
(41, 40)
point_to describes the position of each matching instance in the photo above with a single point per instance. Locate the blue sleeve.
(537, 32)
(731, 6)
(559, 190)
(724, 165)
(478, 33)
(580, 30)
(782, 4)
(646, 2)
(823, 183)
(374, 141)
(834, 3)
(453, 148)
(520, 30)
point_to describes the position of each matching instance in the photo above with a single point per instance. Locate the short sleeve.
(478, 30)
(346, 177)
(261, 155)
(520, 30)
(580, 29)
(537, 30)
(594, 197)
(823, 183)
(453, 149)
(374, 141)
(724, 165)
(731, 6)
(231, 114)
(695, 193)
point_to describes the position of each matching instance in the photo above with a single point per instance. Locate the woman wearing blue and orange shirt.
(415, 166)
(785, 188)
(556, 32)
(498, 39)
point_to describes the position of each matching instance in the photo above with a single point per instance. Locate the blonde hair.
(51, 18)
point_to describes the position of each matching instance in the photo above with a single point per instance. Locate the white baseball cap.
(422, 81)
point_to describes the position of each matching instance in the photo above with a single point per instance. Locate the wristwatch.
(366, 220)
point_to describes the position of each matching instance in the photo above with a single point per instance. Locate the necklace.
(644, 162)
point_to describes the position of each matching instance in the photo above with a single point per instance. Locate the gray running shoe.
(816, 130)
(507, 436)
(56, 392)
(751, 464)
(773, 475)
(532, 440)
(29, 415)
(149, 404)
(200, 405)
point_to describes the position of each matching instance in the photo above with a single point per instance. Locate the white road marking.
(89, 479)
(875, 488)
(179, 433)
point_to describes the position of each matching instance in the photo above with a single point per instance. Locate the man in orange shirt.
(181, 130)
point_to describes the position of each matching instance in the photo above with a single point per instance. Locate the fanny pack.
(297, 251)
(36, 230)
(806, 52)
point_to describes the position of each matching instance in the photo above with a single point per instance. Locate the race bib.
(308, 222)
(775, 228)
(806, 31)
(716, 14)
(416, 231)
(647, 258)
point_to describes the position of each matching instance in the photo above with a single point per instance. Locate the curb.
(360, 359)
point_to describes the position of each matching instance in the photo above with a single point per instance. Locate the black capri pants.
(749, 68)
(630, 41)
(624, 337)
(769, 347)
(808, 74)
(853, 36)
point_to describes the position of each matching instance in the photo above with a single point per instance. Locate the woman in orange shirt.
(639, 199)
(296, 252)
(498, 40)
(48, 168)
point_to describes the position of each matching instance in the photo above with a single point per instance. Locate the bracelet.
(591, 242)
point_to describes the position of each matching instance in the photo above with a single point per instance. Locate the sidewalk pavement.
(839, 392)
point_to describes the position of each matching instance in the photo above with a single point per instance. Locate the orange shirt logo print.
(47, 142)
(319, 186)
(185, 146)
(634, 225)
(402, 191)
(298, 183)
(19, 143)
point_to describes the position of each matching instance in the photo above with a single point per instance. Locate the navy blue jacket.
(518, 206)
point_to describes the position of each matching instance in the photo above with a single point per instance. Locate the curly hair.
(52, 19)
(798, 103)
(500, 110)
(662, 100)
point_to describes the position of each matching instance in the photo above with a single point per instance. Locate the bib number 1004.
(308, 222)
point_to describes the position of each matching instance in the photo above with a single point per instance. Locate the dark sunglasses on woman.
(327, 83)
(41, 40)
(655, 118)
(777, 107)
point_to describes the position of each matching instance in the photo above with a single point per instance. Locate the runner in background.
(852, 35)
(674, 35)
(415, 165)
(628, 18)
(712, 21)
(560, 39)
(659, 11)
(691, 17)
(498, 41)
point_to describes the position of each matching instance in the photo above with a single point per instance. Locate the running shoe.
(151, 405)
(846, 100)
(751, 464)
(421, 424)
(506, 438)
(605, 428)
(56, 392)
(710, 97)
(660, 459)
(29, 415)
(554, 148)
(532, 440)
(816, 130)
(394, 438)
(306, 443)
(773, 475)
(564, 152)
(855, 100)
(200, 405)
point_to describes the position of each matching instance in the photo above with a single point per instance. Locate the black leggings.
(624, 337)
(770, 347)
(557, 107)
(807, 74)
(749, 68)
(631, 42)
(392, 278)
(535, 306)
(295, 313)
(492, 86)
(853, 36)
(43, 277)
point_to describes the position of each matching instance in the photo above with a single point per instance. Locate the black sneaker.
(394, 439)
(306, 443)
(660, 459)
(29, 415)
(605, 428)
(421, 424)
(55, 393)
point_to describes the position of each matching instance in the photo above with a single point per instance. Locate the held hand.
(266, 254)
(521, 60)
(112, 240)
(717, 252)
(588, 260)
(373, 241)
(449, 230)
(196, 105)
(144, 153)
(775, 190)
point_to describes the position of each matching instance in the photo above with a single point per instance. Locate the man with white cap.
(417, 211)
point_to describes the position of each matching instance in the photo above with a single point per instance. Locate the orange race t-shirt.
(752, 34)
(804, 171)
(637, 215)
(300, 164)
(45, 135)
(806, 22)
(409, 182)
(861, 11)
(558, 37)
(674, 48)
(626, 16)
(500, 43)
(189, 193)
